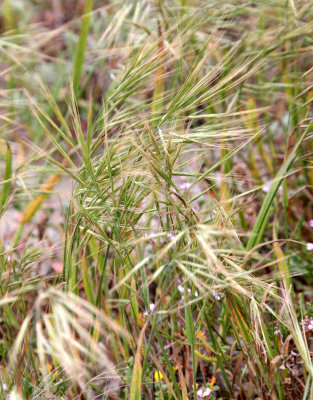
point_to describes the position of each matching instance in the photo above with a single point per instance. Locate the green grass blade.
(5, 192)
(81, 46)
(260, 223)
(191, 336)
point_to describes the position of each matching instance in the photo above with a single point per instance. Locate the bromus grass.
(156, 200)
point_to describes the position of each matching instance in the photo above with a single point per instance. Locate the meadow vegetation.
(156, 199)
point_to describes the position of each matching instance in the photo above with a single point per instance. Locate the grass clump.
(156, 203)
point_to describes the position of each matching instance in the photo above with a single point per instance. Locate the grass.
(156, 200)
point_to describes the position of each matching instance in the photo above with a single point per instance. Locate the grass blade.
(81, 46)
(6, 187)
(260, 223)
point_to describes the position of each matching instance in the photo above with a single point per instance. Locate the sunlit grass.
(156, 200)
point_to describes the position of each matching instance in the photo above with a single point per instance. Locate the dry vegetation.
(156, 199)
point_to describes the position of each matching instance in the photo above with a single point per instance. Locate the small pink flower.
(57, 267)
(311, 223)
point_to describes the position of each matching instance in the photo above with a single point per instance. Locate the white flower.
(196, 294)
(309, 246)
(217, 296)
(151, 306)
(200, 392)
(266, 187)
(180, 289)
(204, 393)
(310, 327)
(207, 392)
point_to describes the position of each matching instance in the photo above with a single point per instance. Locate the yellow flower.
(158, 376)
(213, 380)
(49, 367)
(201, 335)
(140, 320)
